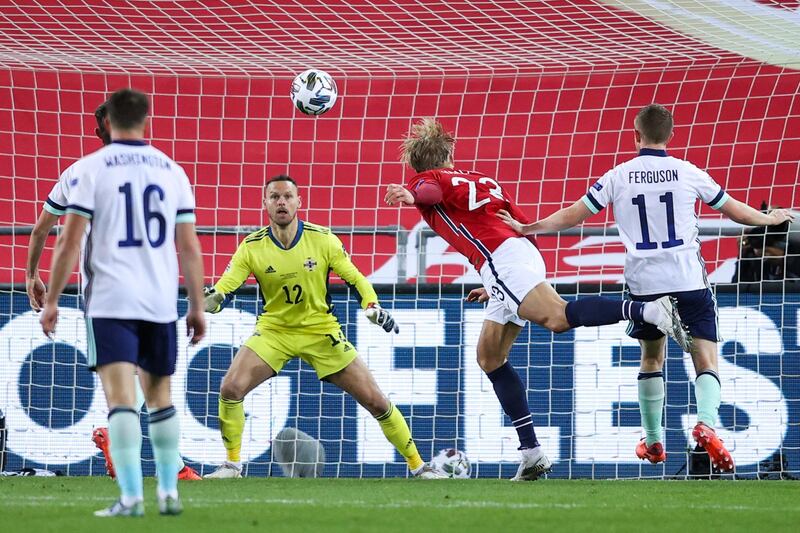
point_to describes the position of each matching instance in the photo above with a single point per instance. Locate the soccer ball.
(452, 462)
(313, 92)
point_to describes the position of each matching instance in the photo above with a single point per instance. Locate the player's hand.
(380, 316)
(48, 319)
(477, 295)
(508, 219)
(779, 216)
(397, 194)
(37, 293)
(195, 326)
(213, 300)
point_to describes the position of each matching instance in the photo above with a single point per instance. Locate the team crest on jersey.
(597, 186)
(270, 270)
(310, 264)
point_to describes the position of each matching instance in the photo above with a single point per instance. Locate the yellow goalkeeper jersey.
(294, 281)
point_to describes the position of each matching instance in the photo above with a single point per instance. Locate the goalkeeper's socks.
(708, 393)
(231, 425)
(600, 311)
(164, 437)
(651, 404)
(513, 398)
(396, 430)
(125, 434)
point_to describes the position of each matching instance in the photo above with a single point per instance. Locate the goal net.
(540, 95)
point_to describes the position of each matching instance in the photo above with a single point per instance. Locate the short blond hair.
(428, 146)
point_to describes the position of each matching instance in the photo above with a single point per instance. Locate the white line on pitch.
(400, 504)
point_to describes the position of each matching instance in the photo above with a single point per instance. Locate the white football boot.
(670, 323)
(169, 505)
(120, 509)
(533, 465)
(226, 470)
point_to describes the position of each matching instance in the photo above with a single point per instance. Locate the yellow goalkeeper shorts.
(328, 352)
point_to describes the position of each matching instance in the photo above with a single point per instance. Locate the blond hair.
(428, 146)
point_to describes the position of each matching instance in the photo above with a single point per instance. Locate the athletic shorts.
(510, 272)
(149, 345)
(327, 353)
(697, 309)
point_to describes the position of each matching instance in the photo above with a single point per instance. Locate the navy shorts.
(151, 346)
(697, 309)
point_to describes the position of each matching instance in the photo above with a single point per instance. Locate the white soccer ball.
(452, 462)
(313, 92)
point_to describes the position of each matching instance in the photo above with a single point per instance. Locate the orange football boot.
(707, 438)
(187, 472)
(654, 453)
(101, 440)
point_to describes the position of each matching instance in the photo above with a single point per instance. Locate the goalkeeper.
(291, 261)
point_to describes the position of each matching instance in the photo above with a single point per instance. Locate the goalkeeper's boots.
(170, 505)
(101, 440)
(426, 471)
(120, 509)
(188, 473)
(654, 453)
(534, 465)
(670, 323)
(226, 470)
(707, 438)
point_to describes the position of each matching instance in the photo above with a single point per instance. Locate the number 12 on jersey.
(672, 239)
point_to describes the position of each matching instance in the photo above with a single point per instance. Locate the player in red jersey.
(461, 206)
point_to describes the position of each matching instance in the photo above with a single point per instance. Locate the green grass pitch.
(330, 505)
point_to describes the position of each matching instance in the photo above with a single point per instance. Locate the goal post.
(541, 96)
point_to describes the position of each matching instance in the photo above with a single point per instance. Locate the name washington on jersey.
(125, 159)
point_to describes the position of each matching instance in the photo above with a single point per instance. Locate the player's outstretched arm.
(191, 259)
(560, 220)
(744, 214)
(236, 273)
(341, 264)
(37, 293)
(424, 193)
(65, 256)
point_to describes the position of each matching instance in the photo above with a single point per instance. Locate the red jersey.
(466, 217)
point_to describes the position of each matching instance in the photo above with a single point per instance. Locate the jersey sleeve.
(425, 189)
(186, 203)
(237, 271)
(601, 193)
(57, 201)
(341, 264)
(82, 195)
(709, 190)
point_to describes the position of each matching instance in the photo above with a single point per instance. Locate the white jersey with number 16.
(655, 197)
(134, 196)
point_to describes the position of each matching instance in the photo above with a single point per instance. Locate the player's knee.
(557, 324)
(490, 361)
(375, 403)
(230, 390)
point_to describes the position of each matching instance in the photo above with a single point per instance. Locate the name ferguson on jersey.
(652, 176)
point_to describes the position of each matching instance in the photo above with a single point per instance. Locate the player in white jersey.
(654, 197)
(141, 206)
(54, 207)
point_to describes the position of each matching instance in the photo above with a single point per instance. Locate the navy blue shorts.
(149, 345)
(697, 309)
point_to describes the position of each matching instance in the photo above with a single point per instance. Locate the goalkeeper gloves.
(380, 316)
(213, 300)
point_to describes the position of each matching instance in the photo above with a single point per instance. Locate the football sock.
(164, 436)
(513, 398)
(125, 434)
(231, 425)
(707, 392)
(396, 430)
(651, 404)
(600, 311)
